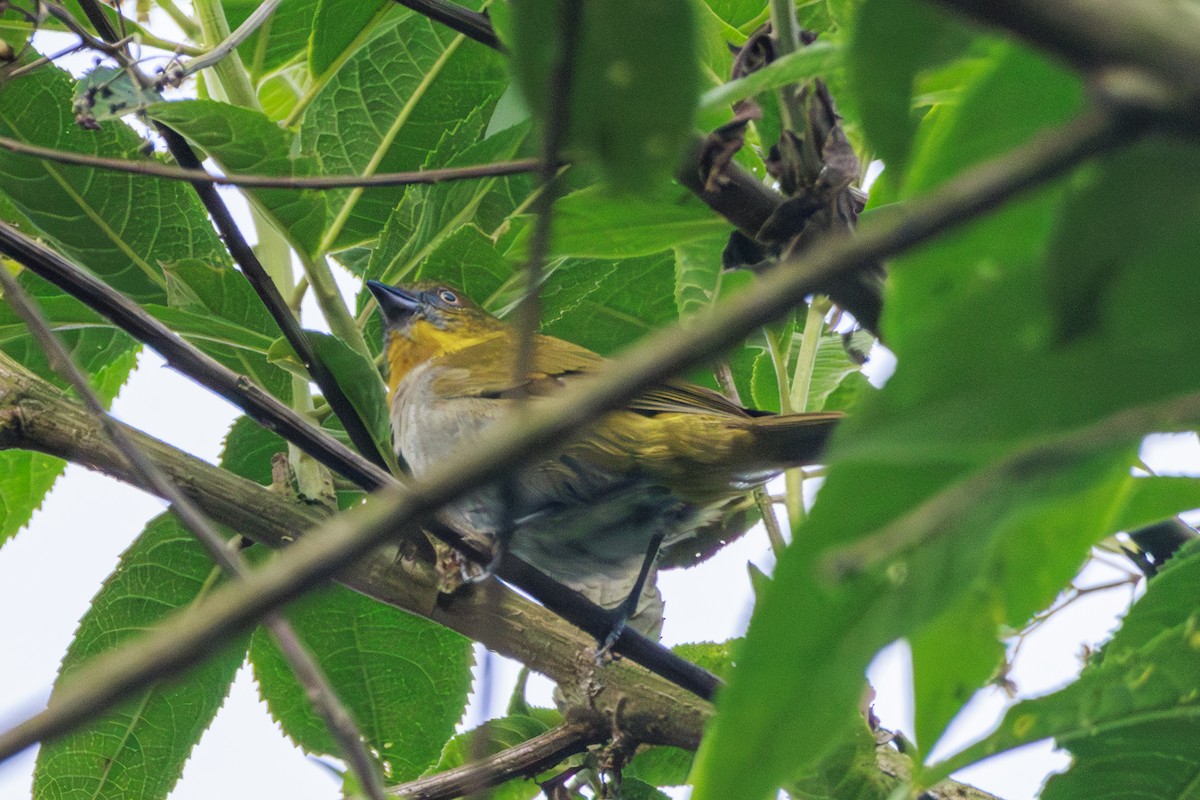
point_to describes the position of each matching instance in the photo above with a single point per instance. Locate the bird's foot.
(604, 646)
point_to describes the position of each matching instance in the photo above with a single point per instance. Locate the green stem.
(767, 508)
(332, 304)
(793, 478)
(186, 24)
(806, 360)
(787, 41)
(231, 73)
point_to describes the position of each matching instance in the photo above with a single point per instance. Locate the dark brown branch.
(304, 666)
(274, 415)
(469, 23)
(253, 269)
(170, 173)
(36, 416)
(278, 308)
(526, 759)
(344, 541)
(237, 389)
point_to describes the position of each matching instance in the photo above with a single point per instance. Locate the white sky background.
(49, 573)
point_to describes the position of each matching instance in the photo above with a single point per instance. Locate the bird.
(674, 464)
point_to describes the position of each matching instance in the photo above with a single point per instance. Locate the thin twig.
(322, 182)
(350, 536)
(317, 687)
(527, 758)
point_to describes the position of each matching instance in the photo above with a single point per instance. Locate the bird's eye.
(448, 297)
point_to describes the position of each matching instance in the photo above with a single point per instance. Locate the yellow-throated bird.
(658, 471)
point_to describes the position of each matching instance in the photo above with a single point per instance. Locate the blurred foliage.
(1036, 347)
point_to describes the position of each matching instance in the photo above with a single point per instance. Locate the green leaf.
(386, 107)
(738, 13)
(427, 215)
(892, 42)
(595, 223)
(661, 765)
(634, 789)
(404, 679)
(248, 449)
(1130, 722)
(138, 749)
(25, 480)
(605, 306)
(244, 351)
(716, 657)
(833, 366)
(1169, 602)
(361, 382)
(281, 39)
(698, 273)
(850, 770)
(119, 226)
(495, 735)
(1153, 499)
(217, 310)
(925, 515)
(814, 61)
(635, 79)
(338, 28)
(247, 142)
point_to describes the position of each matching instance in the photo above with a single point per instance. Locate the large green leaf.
(596, 223)
(1130, 720)
(892, 41)
(283, 37)
(217, 310)
(118, 225)
(635, 78)
(928, 492)
(427, 215)
(387, 106)
(339, 26)
(246, 141)
(607, 305)
(138, 748)
(404, 679)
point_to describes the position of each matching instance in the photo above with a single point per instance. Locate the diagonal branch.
(1160, 39)
(37, 416)
(254, 271)
(528, 758)
(304, 666)
(340, 543)
(274, 415)
(469, 23)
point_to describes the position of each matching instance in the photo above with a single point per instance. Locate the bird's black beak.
(396, 304)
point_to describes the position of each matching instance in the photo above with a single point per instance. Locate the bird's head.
(423, 320)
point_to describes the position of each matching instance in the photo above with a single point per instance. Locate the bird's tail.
(792, 440)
